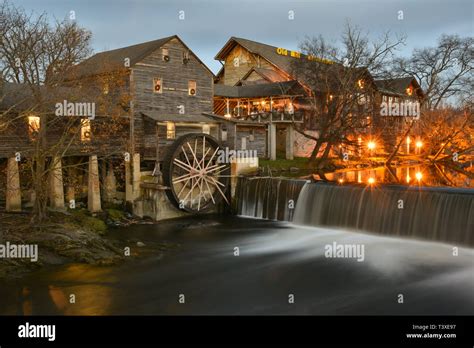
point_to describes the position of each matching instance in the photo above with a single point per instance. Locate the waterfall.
(441, 214)
(268, 198)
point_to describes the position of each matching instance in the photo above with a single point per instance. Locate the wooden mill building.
(145, 97)
(258, 84)
(161, 90)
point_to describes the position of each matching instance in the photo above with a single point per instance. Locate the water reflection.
(71, 290)
(408, 175)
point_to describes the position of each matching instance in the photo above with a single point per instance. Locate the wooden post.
(157, 171)
(93, 191)
(56, 188)
(289, 142)
(272, 140)
(136, 175)
(13, 194)
(128, 181)
(110, 183)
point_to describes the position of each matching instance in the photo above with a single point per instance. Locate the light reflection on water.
(275, 259)
(407, 175)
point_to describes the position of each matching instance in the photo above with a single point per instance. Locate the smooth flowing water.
(276, 259)
(445, 215)
(279, 259)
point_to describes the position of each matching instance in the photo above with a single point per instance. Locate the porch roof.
(177, 118)
(286, 88)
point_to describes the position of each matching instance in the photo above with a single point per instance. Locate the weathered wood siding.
(108, 137)
(247, 60)
(175, 76)
(259, 141)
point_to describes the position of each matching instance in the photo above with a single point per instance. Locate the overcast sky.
(208, 24)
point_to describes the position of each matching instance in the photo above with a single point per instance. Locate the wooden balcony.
(271, 117)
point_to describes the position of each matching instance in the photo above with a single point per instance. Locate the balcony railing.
(271, 116)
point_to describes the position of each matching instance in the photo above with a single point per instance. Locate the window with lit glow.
(192, 87)
(170, 130)
(158, 85)
(33, 126)
(85, 130)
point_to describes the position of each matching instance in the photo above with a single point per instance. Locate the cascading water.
(441, 214)
(268, 198)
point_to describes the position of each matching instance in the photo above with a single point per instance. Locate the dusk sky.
(208, 24)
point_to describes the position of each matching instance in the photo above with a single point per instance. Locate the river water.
(276, 259)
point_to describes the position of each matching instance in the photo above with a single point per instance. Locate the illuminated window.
(206, 129)
(360, 83)
(192, 87)
(158, 85)
(170, 130)
(105, 88)
(409, 91)
(33, 126)
(85, 130)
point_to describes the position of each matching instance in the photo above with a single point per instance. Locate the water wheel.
(195, 173)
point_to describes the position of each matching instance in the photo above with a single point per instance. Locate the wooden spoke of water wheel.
(196, 176)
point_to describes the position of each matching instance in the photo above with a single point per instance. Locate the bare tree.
(445, 72)
(38, 59)
(341, 87)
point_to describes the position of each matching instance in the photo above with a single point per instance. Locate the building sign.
(296, 54)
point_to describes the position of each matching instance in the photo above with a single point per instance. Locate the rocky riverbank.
(70, 237)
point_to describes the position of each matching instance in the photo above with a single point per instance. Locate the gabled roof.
(259, 90)
(267, 74)
(398, 85)
(285, 63)
(108, 61)
(266, 51)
